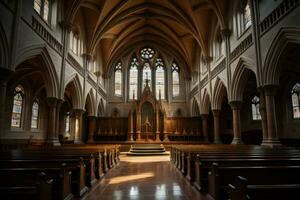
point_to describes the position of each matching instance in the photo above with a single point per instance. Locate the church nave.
(146, 178)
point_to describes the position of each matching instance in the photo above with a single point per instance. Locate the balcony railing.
(282, 9)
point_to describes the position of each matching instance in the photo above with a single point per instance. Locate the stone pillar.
(5, 74)
(157, 139)
(130, 138)
(166, 139)
(92, 123)
(262, 110)
(236, 112)
(139, 126)
(270, 92)
(216, 114)
(2, 106)
(52, 136)
(78, 125)
(204, 118)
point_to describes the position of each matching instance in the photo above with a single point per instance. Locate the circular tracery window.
(147, 53)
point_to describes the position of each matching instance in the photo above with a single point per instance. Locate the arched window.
(218, 46)
(175, 79)
(147, 53)
(246, 15)
(118, 79)
(42, 8)
(76, 45)
(296, 100)
(17, 107)
(133, 79)
(255, 108)
(68, 125)
(160, 79)
(35, 114)
(147, 74)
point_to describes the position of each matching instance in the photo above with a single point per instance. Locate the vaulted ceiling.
(182, 27)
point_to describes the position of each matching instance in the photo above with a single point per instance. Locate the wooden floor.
(145, 178)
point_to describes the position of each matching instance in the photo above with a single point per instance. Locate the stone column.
(92, 123)
(130, 136)
(139, 126)
(262, 110)
(78, 125)
(166, 139)
(270, 92)
(5, 74)
(216, 114)
(157, 126)
(52, 136)
(204, 118)
(236, 112)
(2, 106)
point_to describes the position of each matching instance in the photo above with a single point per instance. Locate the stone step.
(147, 150)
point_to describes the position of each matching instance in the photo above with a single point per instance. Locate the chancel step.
(147, 150)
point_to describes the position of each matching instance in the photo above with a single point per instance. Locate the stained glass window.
(68, 125)
(17, 107)
(35, 114)
(118, 79)
(296, 100)
(147, 53)
(160, 79)
(133, 79)
(255, 108)
(147, 74)
(175, 79)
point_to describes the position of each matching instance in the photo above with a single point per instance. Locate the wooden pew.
(199, 160)
(242, 191)
(22, 183)
(220, 177)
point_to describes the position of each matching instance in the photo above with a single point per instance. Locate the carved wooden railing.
(277, 14)
(44, 33)
(243, 46)
(220, 67)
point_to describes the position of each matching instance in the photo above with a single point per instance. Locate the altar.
(146, 118)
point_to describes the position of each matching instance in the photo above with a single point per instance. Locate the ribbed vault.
(181, 26)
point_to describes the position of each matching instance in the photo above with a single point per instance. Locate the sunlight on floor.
(144, 159)
(121, 179)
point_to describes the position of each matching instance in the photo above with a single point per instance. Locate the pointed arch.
(205, 103)
(195, 108)
(101, 108)
(49, 72)
(244, 69)
(219, 93)
(74, 83)
(90, 103)
(284, 37)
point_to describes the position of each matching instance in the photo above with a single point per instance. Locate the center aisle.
(144, 178)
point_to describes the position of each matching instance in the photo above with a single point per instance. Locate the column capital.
(92, 117)
(66, 25)
(270, 90)
(78, 111)
(52, 101)
(216, 113)
(204, 116)
(207, 59)
(225, 33)
(87, 56)
(235, 105)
